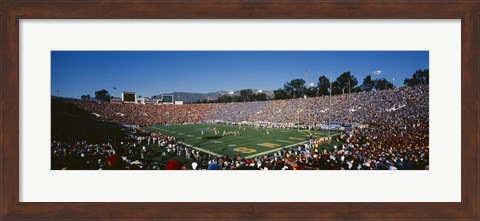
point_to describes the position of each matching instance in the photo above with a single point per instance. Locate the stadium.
(385, 129)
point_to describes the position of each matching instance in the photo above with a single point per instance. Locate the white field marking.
(284, 141)
(199, 138)
(200, 149)
(190, 135)
(232, 145)
(216, 141)
(181, 134)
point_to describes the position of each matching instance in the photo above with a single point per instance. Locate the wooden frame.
(12, 11)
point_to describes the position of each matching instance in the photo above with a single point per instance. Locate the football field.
(250, 141)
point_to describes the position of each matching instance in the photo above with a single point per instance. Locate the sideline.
(276, 149)
(200, 149)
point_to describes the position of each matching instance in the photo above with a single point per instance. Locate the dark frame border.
(11, 11)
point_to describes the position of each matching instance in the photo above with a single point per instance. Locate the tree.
(323, 85)
(288, 89)
(259, 97)
(84, 98)
(246, 95)
(368, 84)
(295, 88)
(356, 89)
(383, 84)
(237, 99)
(420, 77)
(343, 83)
(311, 92)
(224, 99)
(103, 95)
(280, 94)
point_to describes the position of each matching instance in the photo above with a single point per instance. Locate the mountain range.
(189, 97)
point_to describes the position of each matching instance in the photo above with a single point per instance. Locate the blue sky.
(153, 72)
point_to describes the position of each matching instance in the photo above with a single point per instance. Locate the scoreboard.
(167, 99)
(129, 97)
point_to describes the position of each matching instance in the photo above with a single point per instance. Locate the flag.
(378, 72)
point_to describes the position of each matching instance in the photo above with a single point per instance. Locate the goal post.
(307, 131)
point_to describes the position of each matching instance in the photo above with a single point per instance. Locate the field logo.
(245, 150)
(269, 145)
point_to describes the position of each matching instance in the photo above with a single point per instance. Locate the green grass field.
(251, 143)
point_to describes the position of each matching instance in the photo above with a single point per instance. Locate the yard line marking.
(284, 141)
(295, 138)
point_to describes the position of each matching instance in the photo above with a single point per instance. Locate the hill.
(189, 97)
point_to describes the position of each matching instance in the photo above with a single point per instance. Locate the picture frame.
(12, 11)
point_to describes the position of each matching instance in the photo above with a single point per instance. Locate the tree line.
(100, 95)
(345, 83)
